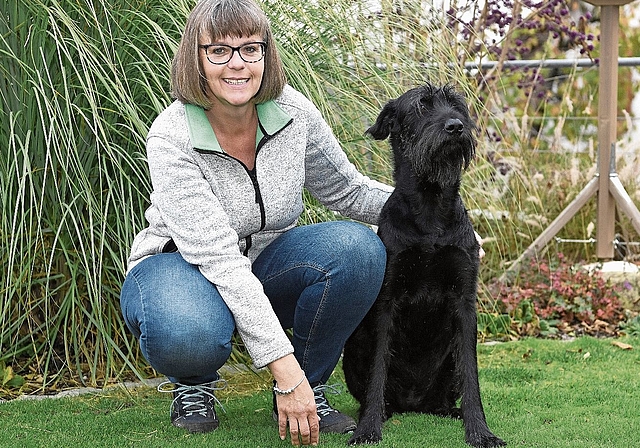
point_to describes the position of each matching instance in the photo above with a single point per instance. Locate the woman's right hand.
(298, 408)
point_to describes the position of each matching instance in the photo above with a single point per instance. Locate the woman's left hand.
(297, 407)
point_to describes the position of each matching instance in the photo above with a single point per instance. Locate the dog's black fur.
(415, 351)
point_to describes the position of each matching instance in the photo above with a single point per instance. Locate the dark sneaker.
(331, 420)
(193, 407)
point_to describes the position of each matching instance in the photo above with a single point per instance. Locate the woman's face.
(236, 82)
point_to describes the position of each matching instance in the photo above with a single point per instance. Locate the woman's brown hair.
(218, 19)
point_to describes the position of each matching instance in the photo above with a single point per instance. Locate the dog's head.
(430, 127)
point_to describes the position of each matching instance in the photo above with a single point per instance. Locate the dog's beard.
(440, 162)
(445, 173)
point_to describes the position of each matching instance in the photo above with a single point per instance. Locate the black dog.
(415, 351)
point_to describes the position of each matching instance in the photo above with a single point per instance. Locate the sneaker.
(331, 420)
(193, 407)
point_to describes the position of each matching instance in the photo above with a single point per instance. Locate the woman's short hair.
(219, 19)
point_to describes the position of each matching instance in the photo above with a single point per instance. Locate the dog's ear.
(470, 154)
(385, 122)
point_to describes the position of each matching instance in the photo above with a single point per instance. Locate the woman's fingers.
(299, 413)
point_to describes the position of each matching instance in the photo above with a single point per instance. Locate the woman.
(228, 161)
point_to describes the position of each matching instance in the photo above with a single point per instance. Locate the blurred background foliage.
(81, 81)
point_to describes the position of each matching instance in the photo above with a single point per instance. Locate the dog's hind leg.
(372, 411)
(477, 432)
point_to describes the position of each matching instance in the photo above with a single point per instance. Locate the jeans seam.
(291, 268)
(143, 317)
(321, 303)
(319, 311)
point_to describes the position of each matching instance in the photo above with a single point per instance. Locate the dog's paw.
(454, 413)
(484, 440)
(365, 437)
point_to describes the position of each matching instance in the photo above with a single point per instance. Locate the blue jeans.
(321, 280)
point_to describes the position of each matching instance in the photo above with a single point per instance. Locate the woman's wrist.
(287, 373)
(288, 391)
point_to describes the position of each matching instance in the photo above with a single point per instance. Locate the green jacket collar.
(271, 116)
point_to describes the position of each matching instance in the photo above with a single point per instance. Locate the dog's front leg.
(477, 432)
(372, 411)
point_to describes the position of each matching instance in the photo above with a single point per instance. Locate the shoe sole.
(198, 428)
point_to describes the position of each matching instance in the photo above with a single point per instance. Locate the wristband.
(279, 391)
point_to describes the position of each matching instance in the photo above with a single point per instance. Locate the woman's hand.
(298, 408)
(480, 241)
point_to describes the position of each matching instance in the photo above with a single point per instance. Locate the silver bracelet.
(279, 391)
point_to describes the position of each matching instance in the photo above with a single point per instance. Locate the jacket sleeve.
(204, 237)
(334, 180)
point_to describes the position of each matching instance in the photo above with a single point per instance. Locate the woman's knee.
(361, 246)
(180, 318)
(186, 351)
(357, 262)
(188, 339)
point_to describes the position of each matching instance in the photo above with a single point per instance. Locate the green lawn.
(537, 393)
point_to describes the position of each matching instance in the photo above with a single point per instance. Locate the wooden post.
(607, 126)
(606, 185)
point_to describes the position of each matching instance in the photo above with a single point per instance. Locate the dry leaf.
(622, 345)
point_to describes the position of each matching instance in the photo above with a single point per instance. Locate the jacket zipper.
(253, 176)
(247, 245)
(254, 180)
(256, 187)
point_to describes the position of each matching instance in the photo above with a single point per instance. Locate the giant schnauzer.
(415, 351)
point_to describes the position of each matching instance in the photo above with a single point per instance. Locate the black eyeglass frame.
(234, 50)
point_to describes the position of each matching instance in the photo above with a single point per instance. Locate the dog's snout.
(453, 126)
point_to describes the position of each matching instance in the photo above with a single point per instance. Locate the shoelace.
(193, 397)
(322, 405)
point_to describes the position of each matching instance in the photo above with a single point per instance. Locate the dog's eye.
(424, 103)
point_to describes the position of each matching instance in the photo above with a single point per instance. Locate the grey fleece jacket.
(220, 216)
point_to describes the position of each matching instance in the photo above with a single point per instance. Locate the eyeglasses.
(220, 54)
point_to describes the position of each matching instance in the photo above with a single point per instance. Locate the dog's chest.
(423, 326)
(423, 267)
